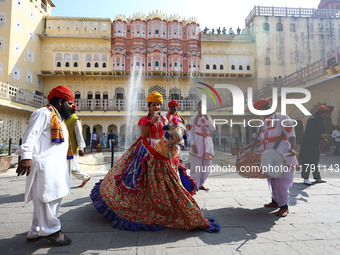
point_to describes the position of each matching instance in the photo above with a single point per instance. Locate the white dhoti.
(199, 170)
(75, 169)
(45, 221)
(279, 188)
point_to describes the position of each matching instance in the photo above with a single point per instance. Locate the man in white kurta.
(201, 147)
(45, 165)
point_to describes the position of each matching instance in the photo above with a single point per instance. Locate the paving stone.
(312, 227)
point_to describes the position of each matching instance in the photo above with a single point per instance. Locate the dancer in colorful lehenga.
(143, 190)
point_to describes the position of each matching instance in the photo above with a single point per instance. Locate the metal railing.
(120, 105)
(291, 12)
(21, 96)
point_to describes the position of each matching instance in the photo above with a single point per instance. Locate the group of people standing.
(158, 195)
(102, 140)
(148, 187)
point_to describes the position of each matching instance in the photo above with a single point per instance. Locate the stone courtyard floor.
(312, 227)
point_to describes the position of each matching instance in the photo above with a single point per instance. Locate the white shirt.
(200, 136)
(272, 129)
(49, 160)
(336, 135)
(79, 135)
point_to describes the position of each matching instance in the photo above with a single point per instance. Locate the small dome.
(156, 14)
(191, 20)
(174, 18)
(120, 17)
(139, 16)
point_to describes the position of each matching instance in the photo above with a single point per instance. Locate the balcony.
(291, 12)
(25, 97)
(43, 6)
(121, 105)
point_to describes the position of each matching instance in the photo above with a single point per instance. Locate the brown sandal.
(271, 204)
(59, 239)
(283, 212)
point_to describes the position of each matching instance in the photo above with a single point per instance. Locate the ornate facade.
(99, 60)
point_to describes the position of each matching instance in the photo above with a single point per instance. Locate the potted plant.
(100, 147)
(5, 160)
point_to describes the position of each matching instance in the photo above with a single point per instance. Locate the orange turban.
(259, 104)
(61, 91)
(173, 102)
(326, 108)
(154, 97)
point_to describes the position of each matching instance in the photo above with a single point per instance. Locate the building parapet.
(76, 18)
(25, 97)
(121, 105)
(247, 38)
(291, 12)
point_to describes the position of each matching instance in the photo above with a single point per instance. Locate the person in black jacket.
(112, 138)
(310, 148)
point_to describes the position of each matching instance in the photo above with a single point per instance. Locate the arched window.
(137, 64)
(97, 96)
(58, 64)
(140, 93)
(77, 95)
(149, 64)
(88, 64)
(119, 93)
(75, 64)
(67, 56)
(89, 95)
(96, 65)
(164, 65)
(232, 67)
(240, 67)
(266, 26)
(174, 93)
(221, 67)
(88, 57)
(104, 65)
(156, 63)
(214, 67)
(175, 64)
(248, 67)
(105, 95)
(67, 64)
(207, 67)
(279, 26)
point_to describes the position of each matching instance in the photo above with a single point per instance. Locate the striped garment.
(57, 135)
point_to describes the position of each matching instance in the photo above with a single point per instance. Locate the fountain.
(132, 105)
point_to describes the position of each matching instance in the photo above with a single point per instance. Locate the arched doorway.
(87, 134)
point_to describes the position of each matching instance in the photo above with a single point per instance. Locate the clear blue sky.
(212, 13)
